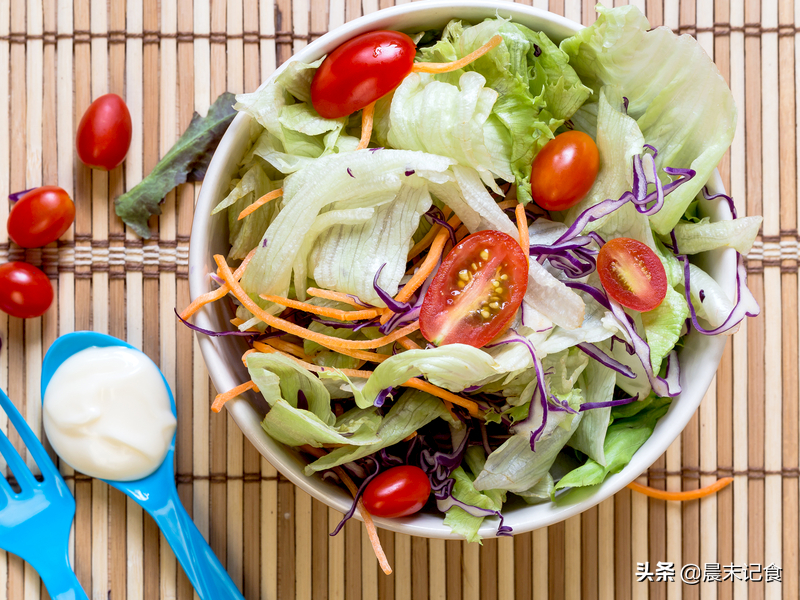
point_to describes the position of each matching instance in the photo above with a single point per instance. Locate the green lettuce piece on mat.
(186, 161)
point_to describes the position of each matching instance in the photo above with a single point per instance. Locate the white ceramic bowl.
(699, 358)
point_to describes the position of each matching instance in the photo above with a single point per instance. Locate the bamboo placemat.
(170, 57)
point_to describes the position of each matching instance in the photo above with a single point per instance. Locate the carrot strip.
(359, 354)
(331, 295)
(260, 202)
(288, 348)
(426, 268)
(246, 354)
(424, 67)
(408, 344)
(433, 390)
(209, 297)
(283, 325)
(325, 311)
(367, 115)
(221, 399)
(410, 437)
(462, 233)
(424, 242)
(522, 227)
(236, 321)
(261, 347)
(681, 496)
(372, 532)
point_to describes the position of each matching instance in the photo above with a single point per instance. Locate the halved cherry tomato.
(25, 291)
(476, 292)
(104, 133)
(360, 71)
(632, 274)
(397, 492)
(564, 170)
(41, 216)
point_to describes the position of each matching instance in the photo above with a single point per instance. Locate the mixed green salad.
(353, 271)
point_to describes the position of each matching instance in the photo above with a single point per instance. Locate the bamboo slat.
(168, 58)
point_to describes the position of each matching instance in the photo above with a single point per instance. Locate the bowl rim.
(286, 460)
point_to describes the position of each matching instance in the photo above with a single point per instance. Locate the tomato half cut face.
(632, 274)
(360, 71)
(476, 292)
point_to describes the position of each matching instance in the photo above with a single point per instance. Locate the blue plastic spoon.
(156, 493)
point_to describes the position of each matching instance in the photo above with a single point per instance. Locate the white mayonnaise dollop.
(107, 413)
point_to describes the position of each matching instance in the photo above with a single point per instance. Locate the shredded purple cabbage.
(708, 196)
(596, 293)
(15, 196)
(358, 495)
(662, 386)
(745, 306)
(410, 172)
(435, 215)
(573, 257)
(646, 203)
(355, 326)
(212, 333)
(621, 402)
(606, 360)
(349, 172)
(393, 304)
(383, 395)
(541, 385)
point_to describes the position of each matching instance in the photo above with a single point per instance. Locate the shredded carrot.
(359, 354)
(325, 311)
(408, 344)
(522, 227)
(221, 399)
(236, 321)
(246, 354)
(331, 295)
(307, 365)
(426, 241)
(449, 408)
(328, 341)
(425, 386)
(288, 348)
(410, 437)
(260, 202)
(372, 532)
(367, 115)
(424, 67)
(426, 268)
(209, 297)
(681, 496)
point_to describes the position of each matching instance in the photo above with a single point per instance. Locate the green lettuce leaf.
(624, 438)
(186, 161)
(453, 367)
(413, 410)
(363, 179)
(598, 381)
(739, 234)
(347, 257)
(680, 101)
(459, 520)
(663, 324)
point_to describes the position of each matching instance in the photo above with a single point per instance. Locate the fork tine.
(30, 440)
(15, 463)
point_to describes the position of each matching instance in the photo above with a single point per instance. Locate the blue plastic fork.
(156, 493)
(35, 523)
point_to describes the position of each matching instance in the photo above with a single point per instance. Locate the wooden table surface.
(170, 57)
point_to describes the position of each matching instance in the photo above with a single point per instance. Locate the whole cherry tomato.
(104, 133)
(397, 492)
(41, 216)
(632, 274)
(476, 291)
(564, 170)
(360, 71)
(25, 291)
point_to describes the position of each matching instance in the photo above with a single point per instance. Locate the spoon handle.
(209, 578)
